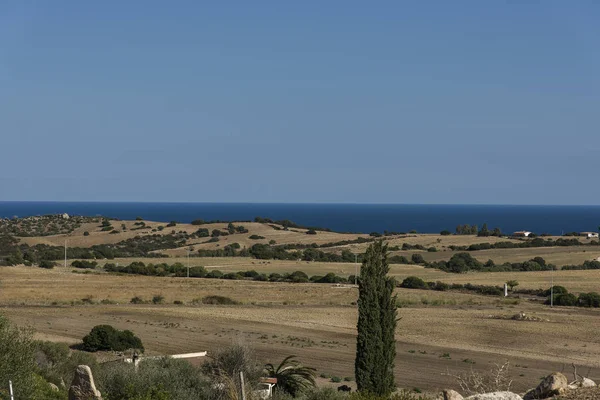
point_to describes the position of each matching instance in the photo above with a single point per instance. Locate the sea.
(358, 218)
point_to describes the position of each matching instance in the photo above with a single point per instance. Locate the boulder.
(554, 384)
(582, 383)
(450, 394)
(83, 387)
(495, 396)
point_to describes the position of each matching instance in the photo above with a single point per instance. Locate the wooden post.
(242, 385)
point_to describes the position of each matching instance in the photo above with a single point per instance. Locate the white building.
(589, 235)
(522, 234)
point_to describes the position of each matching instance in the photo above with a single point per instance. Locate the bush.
(556, 290)
(86, 233)
(591, 299)
(221, 300)
(417, 258)
(156, 379)
(445, 233)
(311, 232)
(256, 237)
(47, 264)
(336, 379)
(158, 299)
(178, 302)
(413, 282)
(137, 300)
(84, 264)
(107, 338)
(564, 299)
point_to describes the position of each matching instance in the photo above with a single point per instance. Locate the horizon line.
(294, 203)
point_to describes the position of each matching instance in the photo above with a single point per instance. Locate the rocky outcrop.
(451, 395)
(552, 385)
(495, 396)
(83, 387)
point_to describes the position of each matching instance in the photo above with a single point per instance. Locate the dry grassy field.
(438, 331)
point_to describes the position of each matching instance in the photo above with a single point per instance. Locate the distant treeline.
(464, 262)
(180, 270)
(537, 242)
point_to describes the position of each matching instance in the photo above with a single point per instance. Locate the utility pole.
(65, 253)
(188, 263)
(356, 267)
(552, 289)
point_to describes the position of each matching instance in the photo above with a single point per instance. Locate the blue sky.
(274, 101)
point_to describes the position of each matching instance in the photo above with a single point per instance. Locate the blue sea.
(364, 218)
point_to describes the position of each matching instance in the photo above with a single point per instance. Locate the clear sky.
(300, 101)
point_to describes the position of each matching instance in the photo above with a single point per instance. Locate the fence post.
(242, 384)
(10, 390)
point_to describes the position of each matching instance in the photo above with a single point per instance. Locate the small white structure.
(505, 290)
(521, 234)
(589, 235)
(265, 388)
(65, 216)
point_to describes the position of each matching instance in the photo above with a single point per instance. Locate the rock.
(53, 387)
(553, 384)
(83, 387)
(451, 395)
(587, 382)
(495, 396)
(583, 383)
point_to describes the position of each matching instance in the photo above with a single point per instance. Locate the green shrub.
(336, 379)
(86, 233)
(137, 300)
(256, 237)
(178, 302)
(222, 300)
(445, 233)
(47, 264)
(591, 299)
(413, 282)
(84, 264)
(564, 299)
(158, 299)
(417, 258)
(107, 338)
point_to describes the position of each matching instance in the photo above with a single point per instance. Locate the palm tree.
(291, 376)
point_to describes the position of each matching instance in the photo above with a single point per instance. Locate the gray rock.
(582, 383)
(495, 396)
(554, 384)
(83, 387)
(450, 394)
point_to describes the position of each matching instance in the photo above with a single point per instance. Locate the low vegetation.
(107, 338)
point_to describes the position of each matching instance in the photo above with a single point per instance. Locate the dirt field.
(315, 322)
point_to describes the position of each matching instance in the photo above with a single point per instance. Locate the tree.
(512, 284)
(375, 342)
(105, 337)
(484, 231)
(292, 377)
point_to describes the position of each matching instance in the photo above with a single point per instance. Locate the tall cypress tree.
(376, 343)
